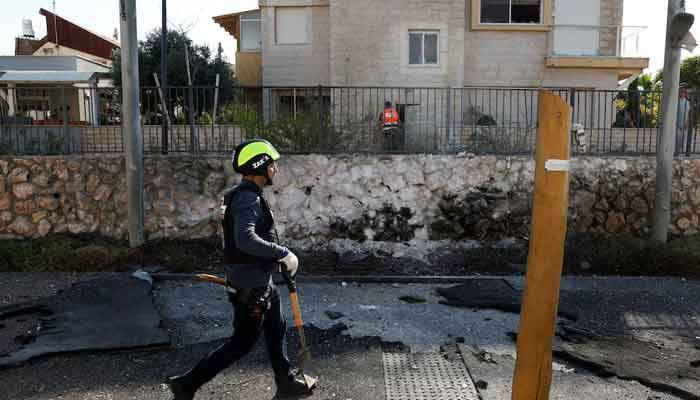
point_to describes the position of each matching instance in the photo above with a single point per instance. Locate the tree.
(639, 106)
(690, 73)
(203, 68)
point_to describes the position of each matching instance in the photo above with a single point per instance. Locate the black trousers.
(247, 327)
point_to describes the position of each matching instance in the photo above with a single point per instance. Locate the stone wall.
(387, 198)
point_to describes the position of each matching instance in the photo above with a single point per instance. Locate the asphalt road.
(350, 326)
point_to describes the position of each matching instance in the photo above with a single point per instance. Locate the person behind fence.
(251, 255)
(391, 125)
(683, 120)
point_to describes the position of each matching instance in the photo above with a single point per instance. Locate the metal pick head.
(310, 381)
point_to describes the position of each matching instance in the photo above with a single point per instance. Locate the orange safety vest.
(390, 116)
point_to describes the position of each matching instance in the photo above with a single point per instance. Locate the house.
(46, 88)
(450, 65)
(437, 43)
(64, 38)
(57, 77)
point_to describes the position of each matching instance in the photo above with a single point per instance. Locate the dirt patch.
(62, 253)
(624, 256)
(95, 254)
(633, 256)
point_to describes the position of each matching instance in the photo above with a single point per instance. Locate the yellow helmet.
(253, 156)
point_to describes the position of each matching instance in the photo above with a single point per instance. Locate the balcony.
(613, 47)
(245, 27)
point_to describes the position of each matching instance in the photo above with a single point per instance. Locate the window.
(423, 47)
(511, 11)
(292, 25)
(251, 39)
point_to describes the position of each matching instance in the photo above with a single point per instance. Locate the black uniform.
(251, 257)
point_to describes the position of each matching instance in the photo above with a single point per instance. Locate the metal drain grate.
(426, 377)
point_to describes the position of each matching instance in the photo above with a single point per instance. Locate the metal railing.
(479, 120)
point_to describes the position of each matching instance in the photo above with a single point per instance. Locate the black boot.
(291, 387)
(181, 391)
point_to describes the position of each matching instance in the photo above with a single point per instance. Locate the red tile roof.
(76, 37)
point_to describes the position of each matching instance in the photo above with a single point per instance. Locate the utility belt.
(256, 298)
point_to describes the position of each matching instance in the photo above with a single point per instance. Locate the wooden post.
(166, 113)
(533, 367)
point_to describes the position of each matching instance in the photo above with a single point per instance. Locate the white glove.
(291, 263)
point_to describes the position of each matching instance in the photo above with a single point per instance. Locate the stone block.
(73, 166)
(25, 207)
(103, 193)
(6, 217)
(38, 216)
(164, 207)
(21, 226)
(5, 202)
(92, 182)
(615, 223)
(640, 206)
(19, 175)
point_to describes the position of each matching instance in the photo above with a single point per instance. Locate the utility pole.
(131, 125)
(678, 26)
(164, 72)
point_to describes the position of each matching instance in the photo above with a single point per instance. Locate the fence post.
(689, 139)
(194, 142)
(64, 116)
(572, 104)
(319, 131)
(533, 366)
(213, 111)
(95, 97)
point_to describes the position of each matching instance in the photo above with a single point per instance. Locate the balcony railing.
(596, 40)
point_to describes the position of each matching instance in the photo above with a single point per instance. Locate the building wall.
(49, 49)
(296, 65)
(505, 58)
(370, 46)
(610, 14)
(516, 58)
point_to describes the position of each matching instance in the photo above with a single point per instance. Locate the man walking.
(251, 254)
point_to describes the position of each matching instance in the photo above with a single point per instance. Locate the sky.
(195, 17)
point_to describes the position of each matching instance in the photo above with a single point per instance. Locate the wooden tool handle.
(296, 309)
(211, 278)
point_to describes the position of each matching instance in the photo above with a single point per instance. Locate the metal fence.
(488, 120)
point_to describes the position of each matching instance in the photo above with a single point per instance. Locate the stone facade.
(390, 198)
